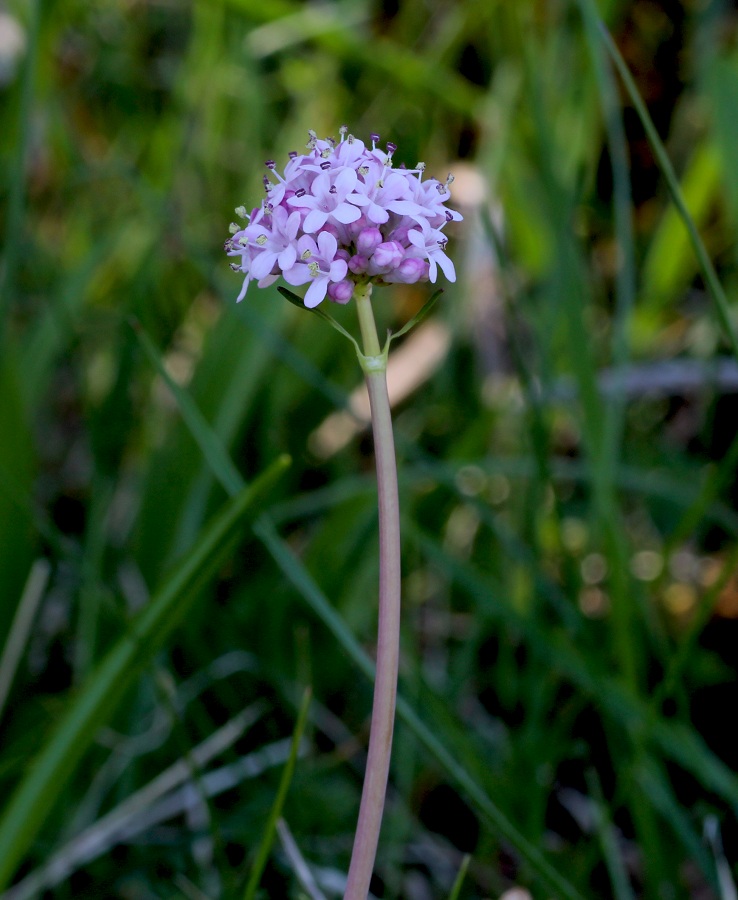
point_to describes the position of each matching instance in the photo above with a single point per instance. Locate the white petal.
(446, 265)
(316, 292)
(315, 219)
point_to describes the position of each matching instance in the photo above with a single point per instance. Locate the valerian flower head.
(342, 214)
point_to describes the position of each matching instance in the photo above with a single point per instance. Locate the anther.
(342, 131)
(241, 212)
(391, 148)
(332, 189)
(314, 268)
(233, 228)
(235, 267)
(300, 192)
(292, 154)
(306, 254)
(270, 164)
(261, 240)
(325, 165)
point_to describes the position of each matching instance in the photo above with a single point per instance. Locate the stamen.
(241, 212)
(235, 267)
(313, 140)
(270, 164)
(374, 137)
(363, 170)
(333, 189)
(351, 139)
(292, 154)
(243, 241)
(300, 192)
(267, 183)
(233, 228)
(306, 254)
(449, 217)
(314, 268)
(449, 179)
(261, 240)
(342, 131)
(391, 148)
(326, 153)
(325, 165)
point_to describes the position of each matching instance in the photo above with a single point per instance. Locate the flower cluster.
(342, 215)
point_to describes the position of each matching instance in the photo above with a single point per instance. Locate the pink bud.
(341, 291)
(409, 271)
(358, 264)
(368, 240)
(386, 257)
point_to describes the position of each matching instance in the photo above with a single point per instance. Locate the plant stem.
(388, 643)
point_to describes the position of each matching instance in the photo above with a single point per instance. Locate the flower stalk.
(374, 363)
(341, 219)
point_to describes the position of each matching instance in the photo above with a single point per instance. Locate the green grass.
(567, 673)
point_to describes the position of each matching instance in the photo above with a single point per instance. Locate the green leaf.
(418, 317)
(297, 301)
(270, 829)
(106, 686)
(459, 881)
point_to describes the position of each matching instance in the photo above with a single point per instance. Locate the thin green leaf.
(461, 875)
(104, 689)
(270, 828)
(321, 314)
(211, 446)
(662, 158)
(418, 317)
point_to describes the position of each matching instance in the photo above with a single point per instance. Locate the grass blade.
(106, 686)
(456, 889)
(276, 811)
(672, 183)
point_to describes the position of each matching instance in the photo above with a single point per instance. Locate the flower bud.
(341, 291)
(386, 257)
(368, 240)
(409, 271)
(358, 264)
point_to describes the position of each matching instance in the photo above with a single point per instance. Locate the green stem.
(388, 643)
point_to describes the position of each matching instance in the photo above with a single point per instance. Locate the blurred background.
(566, 423)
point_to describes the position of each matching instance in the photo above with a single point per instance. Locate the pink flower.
(342, 214)
(317, 263)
